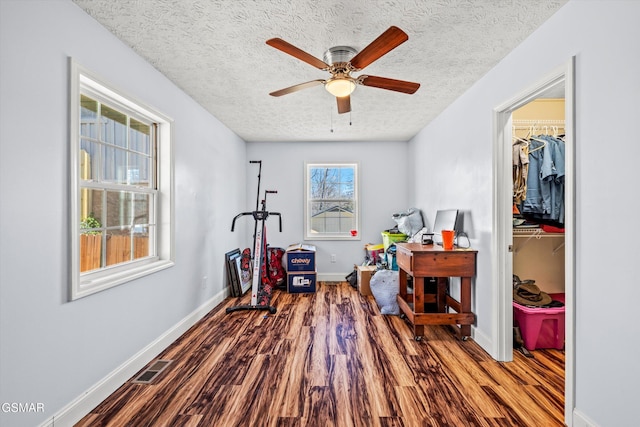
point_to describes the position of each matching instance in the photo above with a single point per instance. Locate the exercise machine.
(261, 289)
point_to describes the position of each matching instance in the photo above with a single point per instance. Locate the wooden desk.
(420, 261)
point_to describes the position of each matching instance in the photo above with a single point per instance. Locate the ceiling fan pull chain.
(331, 118)
(349, 118)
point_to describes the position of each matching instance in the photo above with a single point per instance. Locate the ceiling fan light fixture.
(341, 61)
(340, 87)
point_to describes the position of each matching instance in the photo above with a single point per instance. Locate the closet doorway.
(558, 84)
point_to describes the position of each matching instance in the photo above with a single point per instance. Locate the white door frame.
(502, 240)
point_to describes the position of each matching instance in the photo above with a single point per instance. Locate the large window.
(331, 201)
(120, 187)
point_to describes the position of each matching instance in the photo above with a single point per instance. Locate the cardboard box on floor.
(365, 272)
(301, 282)
(300, 257)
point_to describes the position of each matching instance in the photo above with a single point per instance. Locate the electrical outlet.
(204, 282)
(333, 257)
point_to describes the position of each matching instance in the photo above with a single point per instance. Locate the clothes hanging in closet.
(520, 170)
(544, 199)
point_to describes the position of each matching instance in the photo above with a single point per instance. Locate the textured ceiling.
(215, 51)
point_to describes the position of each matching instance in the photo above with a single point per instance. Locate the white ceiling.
(215, 51)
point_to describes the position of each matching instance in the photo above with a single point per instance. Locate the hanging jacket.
(544, 202)
(520, 171)
(533, 203)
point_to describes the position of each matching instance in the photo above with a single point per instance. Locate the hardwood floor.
(331, 359)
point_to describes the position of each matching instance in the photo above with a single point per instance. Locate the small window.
(331, 201)
(120, 187)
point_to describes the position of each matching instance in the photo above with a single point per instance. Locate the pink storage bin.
(541, 327)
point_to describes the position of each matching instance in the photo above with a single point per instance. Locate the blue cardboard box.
(301, 282)
(300, 257)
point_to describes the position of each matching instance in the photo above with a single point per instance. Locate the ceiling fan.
(344, 60)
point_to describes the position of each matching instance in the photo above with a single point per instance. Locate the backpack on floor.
(276, 273)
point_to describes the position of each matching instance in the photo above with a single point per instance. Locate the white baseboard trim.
(332, 277)
(482, 340)
(75, 410)
(581, 420)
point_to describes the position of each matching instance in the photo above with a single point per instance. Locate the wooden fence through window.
(118, 250)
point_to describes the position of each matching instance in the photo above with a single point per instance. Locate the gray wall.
(605, 37)
(383, 191)
(53, 350)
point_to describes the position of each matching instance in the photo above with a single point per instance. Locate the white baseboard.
(581, 420)
(83, 404)
(481, 339)
(332, 277)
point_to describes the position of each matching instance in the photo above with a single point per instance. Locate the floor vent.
(149, 374)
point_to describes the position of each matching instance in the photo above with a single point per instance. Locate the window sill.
(93, 283)
(311, 238)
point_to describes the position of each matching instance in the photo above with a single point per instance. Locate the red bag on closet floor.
(551, 229)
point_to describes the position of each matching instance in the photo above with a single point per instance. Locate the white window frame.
(87, 283)
(308, 235)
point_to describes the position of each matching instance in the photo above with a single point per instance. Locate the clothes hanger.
(532, 131)
(544, 144)
(516, 138)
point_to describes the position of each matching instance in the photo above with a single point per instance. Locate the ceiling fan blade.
(344, 104)
(386, 42)
(389, 84)
(287, 47)
(297, 87)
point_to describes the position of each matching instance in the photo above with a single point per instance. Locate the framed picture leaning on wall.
(233, 277)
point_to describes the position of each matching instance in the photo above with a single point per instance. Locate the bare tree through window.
(331, 199)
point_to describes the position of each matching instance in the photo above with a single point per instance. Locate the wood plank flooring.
(331, 359)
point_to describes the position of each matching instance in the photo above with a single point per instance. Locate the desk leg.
(402, 276)
(465, 304)
(441, 295)
(418, 304)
